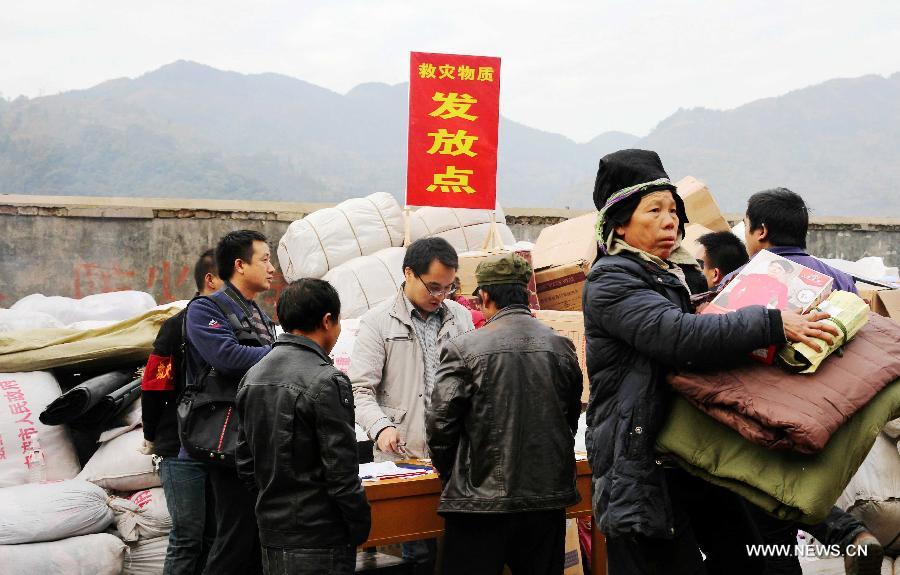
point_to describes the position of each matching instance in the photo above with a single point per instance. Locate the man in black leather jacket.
(297, 445)
(501, 433)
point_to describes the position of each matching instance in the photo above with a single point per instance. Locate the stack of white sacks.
(55, 517)
(357, 245)
(107, 518)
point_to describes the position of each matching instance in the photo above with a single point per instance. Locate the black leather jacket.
(504, 412)
(297, 449)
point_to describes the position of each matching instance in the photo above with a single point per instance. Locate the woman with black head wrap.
(639, 325)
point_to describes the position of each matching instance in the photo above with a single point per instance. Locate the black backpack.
(207, 422)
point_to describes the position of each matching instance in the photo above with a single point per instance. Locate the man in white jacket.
(396, 356)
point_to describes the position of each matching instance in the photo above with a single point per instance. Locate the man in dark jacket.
(501, 433)
(183, 480)
(297, 444)
(243, 261)
(639, 325)
(777, 221)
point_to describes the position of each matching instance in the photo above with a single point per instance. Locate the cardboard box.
(774, 282)
(572, 564)
(869, 293)
(700, 205)
(559, 287)
(570, 324)
(692, 233)
(569, 241)
(563, 255)
(887, 303)
(468, 263)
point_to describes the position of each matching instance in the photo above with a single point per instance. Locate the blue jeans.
(298, 561)
(193, 529)
(422, 553)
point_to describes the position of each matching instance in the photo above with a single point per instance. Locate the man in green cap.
(501, 429)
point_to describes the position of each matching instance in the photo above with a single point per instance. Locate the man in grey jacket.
(501, 433)
(396, 355)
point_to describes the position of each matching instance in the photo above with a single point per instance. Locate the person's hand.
(147, 448)
(389, 440)
(803, 328)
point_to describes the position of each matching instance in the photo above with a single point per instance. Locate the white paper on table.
(386, 469)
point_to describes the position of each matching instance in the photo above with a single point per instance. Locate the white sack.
(835, 566)
(878, 478)
(362, 283)
(50, 511)
(892, 428)
(30, 451)
(129, 420)
(873, 494)
(14, 320)
(118, 465)
(327, 238)
(147, 557)
(342, 352)
(98, 554)
(112, 306)
(143, 515)
(464, 229)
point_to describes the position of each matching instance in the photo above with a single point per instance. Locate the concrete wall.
(76, 246)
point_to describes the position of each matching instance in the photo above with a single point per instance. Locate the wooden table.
(406, 510)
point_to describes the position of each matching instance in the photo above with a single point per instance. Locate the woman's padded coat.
(638, 327)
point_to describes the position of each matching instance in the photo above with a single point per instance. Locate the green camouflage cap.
(506, 269)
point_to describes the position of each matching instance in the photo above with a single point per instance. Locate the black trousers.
(236, 548)
(706, 518)
(529, 543)
(839, 528)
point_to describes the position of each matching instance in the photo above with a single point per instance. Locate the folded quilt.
(779, 410)
(789, 485)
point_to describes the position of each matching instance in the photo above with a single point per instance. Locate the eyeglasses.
(439, 292)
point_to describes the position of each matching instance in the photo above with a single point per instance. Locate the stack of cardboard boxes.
(562, 257)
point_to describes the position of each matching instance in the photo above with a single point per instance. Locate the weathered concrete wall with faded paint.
(76, 246)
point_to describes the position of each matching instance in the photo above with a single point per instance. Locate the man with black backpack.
(183, 479)
(225, 335)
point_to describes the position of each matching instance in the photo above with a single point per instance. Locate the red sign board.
(454, 111)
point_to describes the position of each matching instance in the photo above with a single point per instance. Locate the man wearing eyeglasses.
(396, 356)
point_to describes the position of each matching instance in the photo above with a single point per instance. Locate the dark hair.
(621, 213)
(505, 295)
(206, 264)
(236, 245)
(304, 303)
(784, 214)
(421, 253)
(724, 250)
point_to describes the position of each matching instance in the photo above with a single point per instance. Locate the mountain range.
(189, 130)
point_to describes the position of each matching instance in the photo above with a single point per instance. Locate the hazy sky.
(578, 68)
